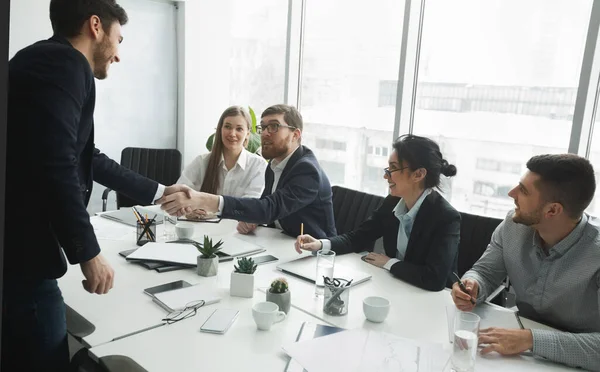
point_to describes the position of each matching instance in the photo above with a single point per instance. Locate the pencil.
(301, 229)
(137, 215)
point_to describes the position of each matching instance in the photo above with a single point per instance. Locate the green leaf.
(253, 117)
(209, 142)
(253, 143)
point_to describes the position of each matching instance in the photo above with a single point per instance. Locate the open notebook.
(178, 299)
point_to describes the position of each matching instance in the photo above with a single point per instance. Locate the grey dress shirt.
(561, 288)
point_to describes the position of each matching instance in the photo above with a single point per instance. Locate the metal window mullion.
(584, 113)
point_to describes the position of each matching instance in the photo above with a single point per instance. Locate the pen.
(136, 213)
(140, 331)
(463, 288)
(301, 229)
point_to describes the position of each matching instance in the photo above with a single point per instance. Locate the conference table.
(127, 322)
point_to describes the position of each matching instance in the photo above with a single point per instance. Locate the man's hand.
(307, 243)
(505, 341)
(177, 188)
(376, 259)
(98, 274)
(461, 299)
(182, 203)
(246, 228)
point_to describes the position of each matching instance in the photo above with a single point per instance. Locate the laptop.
(306, 268)
(126, 215)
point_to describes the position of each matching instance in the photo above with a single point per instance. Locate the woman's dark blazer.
(432, 252)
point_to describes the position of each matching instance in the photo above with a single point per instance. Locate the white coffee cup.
(184, 230)
(265, 314)
(376, 309)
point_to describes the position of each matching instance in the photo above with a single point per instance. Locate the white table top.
(126, 308)
(182, 347)
(414, 313)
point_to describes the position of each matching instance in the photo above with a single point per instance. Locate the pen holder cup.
(336, 297)
(145, 232)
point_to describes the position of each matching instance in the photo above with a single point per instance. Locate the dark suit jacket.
(303, 195)
(432, 252)
(52, 161)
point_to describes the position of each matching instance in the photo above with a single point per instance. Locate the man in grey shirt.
(550, 249)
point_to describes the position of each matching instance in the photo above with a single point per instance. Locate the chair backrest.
(160, 165)
(351, 208)
(475, 235)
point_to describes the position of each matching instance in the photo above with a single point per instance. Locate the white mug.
(265, 314)
(184, 230)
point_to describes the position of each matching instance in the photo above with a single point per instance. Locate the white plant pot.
(241, 285)
(207, 266)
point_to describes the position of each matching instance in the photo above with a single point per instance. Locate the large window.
(258, 47)
(349, 49)
(497, 83)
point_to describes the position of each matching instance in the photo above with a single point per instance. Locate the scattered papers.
(367, 351)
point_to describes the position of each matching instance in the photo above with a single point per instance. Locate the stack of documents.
(186, 254)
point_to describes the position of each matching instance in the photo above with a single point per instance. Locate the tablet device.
(166, 287)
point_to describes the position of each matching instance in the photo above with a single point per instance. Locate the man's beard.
(101, 61)
(529, 219)
(273, 152)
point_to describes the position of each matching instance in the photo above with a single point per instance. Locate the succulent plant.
(208, 249)
(279, 285)
(245, 266)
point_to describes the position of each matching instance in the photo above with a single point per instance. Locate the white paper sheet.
(367, 351)
(111, 230)
(176, 253)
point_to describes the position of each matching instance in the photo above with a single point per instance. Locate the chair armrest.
(105, 198)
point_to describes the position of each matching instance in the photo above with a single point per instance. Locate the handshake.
(181, 200)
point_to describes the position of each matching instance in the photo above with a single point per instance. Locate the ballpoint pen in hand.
(463, 288)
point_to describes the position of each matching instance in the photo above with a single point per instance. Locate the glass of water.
(466, 331)
(325, 262)
(169, 223)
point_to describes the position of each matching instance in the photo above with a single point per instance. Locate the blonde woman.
(229, 169)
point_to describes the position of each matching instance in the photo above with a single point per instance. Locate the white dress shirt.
(245, 179)
(277, 167)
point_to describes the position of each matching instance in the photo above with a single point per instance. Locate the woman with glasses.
(229, 169)
(420, 229)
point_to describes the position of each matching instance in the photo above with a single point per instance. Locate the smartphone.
(127, 252)
(264, 259)
(166, 287)
(219, 321)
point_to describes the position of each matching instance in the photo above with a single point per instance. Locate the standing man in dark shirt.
(51, 164)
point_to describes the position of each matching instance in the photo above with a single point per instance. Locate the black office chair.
(160, 165)
(351, 208)
(475, 235)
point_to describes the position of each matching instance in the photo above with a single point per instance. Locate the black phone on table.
(264, 259)
(166, 287)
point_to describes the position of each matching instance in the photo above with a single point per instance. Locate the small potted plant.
(279, 293)
(208, 261)
(242, 278)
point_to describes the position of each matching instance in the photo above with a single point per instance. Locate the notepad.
(178, 299)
